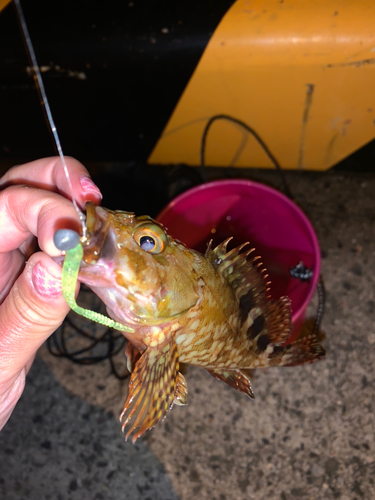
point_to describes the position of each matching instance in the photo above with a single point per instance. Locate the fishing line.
(44, 102)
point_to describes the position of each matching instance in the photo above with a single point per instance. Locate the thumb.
(33, 310)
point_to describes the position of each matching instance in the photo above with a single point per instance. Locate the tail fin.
(300, 352)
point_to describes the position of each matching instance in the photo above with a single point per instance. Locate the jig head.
(70, 242)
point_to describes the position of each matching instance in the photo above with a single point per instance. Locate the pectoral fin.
(235, 379)
(155, 385)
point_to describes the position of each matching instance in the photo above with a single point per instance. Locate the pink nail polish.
(90, 189)
(44, 283)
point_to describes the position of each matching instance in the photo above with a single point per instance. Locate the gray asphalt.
(309, 434)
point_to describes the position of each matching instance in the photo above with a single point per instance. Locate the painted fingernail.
(44, 283)
(90, 189)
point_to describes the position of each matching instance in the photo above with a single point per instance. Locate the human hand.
(33, 204)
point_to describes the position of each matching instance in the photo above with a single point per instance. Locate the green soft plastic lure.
(69, 241)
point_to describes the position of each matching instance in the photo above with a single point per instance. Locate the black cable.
(87, 356)
(254, 134)
(321, 305)
(98, 348)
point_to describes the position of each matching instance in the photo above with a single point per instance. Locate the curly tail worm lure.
(69, 241)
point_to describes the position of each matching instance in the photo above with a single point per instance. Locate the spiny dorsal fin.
(246, 276)
(264, 321)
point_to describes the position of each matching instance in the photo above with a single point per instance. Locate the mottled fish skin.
(210, 310)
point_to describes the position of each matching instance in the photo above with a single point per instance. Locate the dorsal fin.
(263, 320)
(247, 277)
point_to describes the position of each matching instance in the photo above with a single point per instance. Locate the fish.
(180, 306)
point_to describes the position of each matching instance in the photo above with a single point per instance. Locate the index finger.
(28, 211)
(49, 174)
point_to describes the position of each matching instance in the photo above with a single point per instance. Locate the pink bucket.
(280, 232)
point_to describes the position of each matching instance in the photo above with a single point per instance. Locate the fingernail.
(44, 283)
(90, 189)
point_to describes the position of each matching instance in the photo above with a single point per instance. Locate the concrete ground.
(309, 434)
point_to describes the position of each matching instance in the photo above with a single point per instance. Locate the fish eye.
(151, 238)
(147, 243)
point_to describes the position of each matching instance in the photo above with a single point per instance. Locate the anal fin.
(154, 385)
(180, 397)
(235, 379)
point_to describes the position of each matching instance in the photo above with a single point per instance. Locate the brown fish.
(209, 310)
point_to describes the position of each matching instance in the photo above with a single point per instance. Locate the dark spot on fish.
(277, 349)
(247, 302)
(263, 342)
(257, 326)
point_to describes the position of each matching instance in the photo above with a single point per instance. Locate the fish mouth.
(98, 243)
(98, 269)
(99, 249)
(105, 255)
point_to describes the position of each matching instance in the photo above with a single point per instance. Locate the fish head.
(143, 276)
